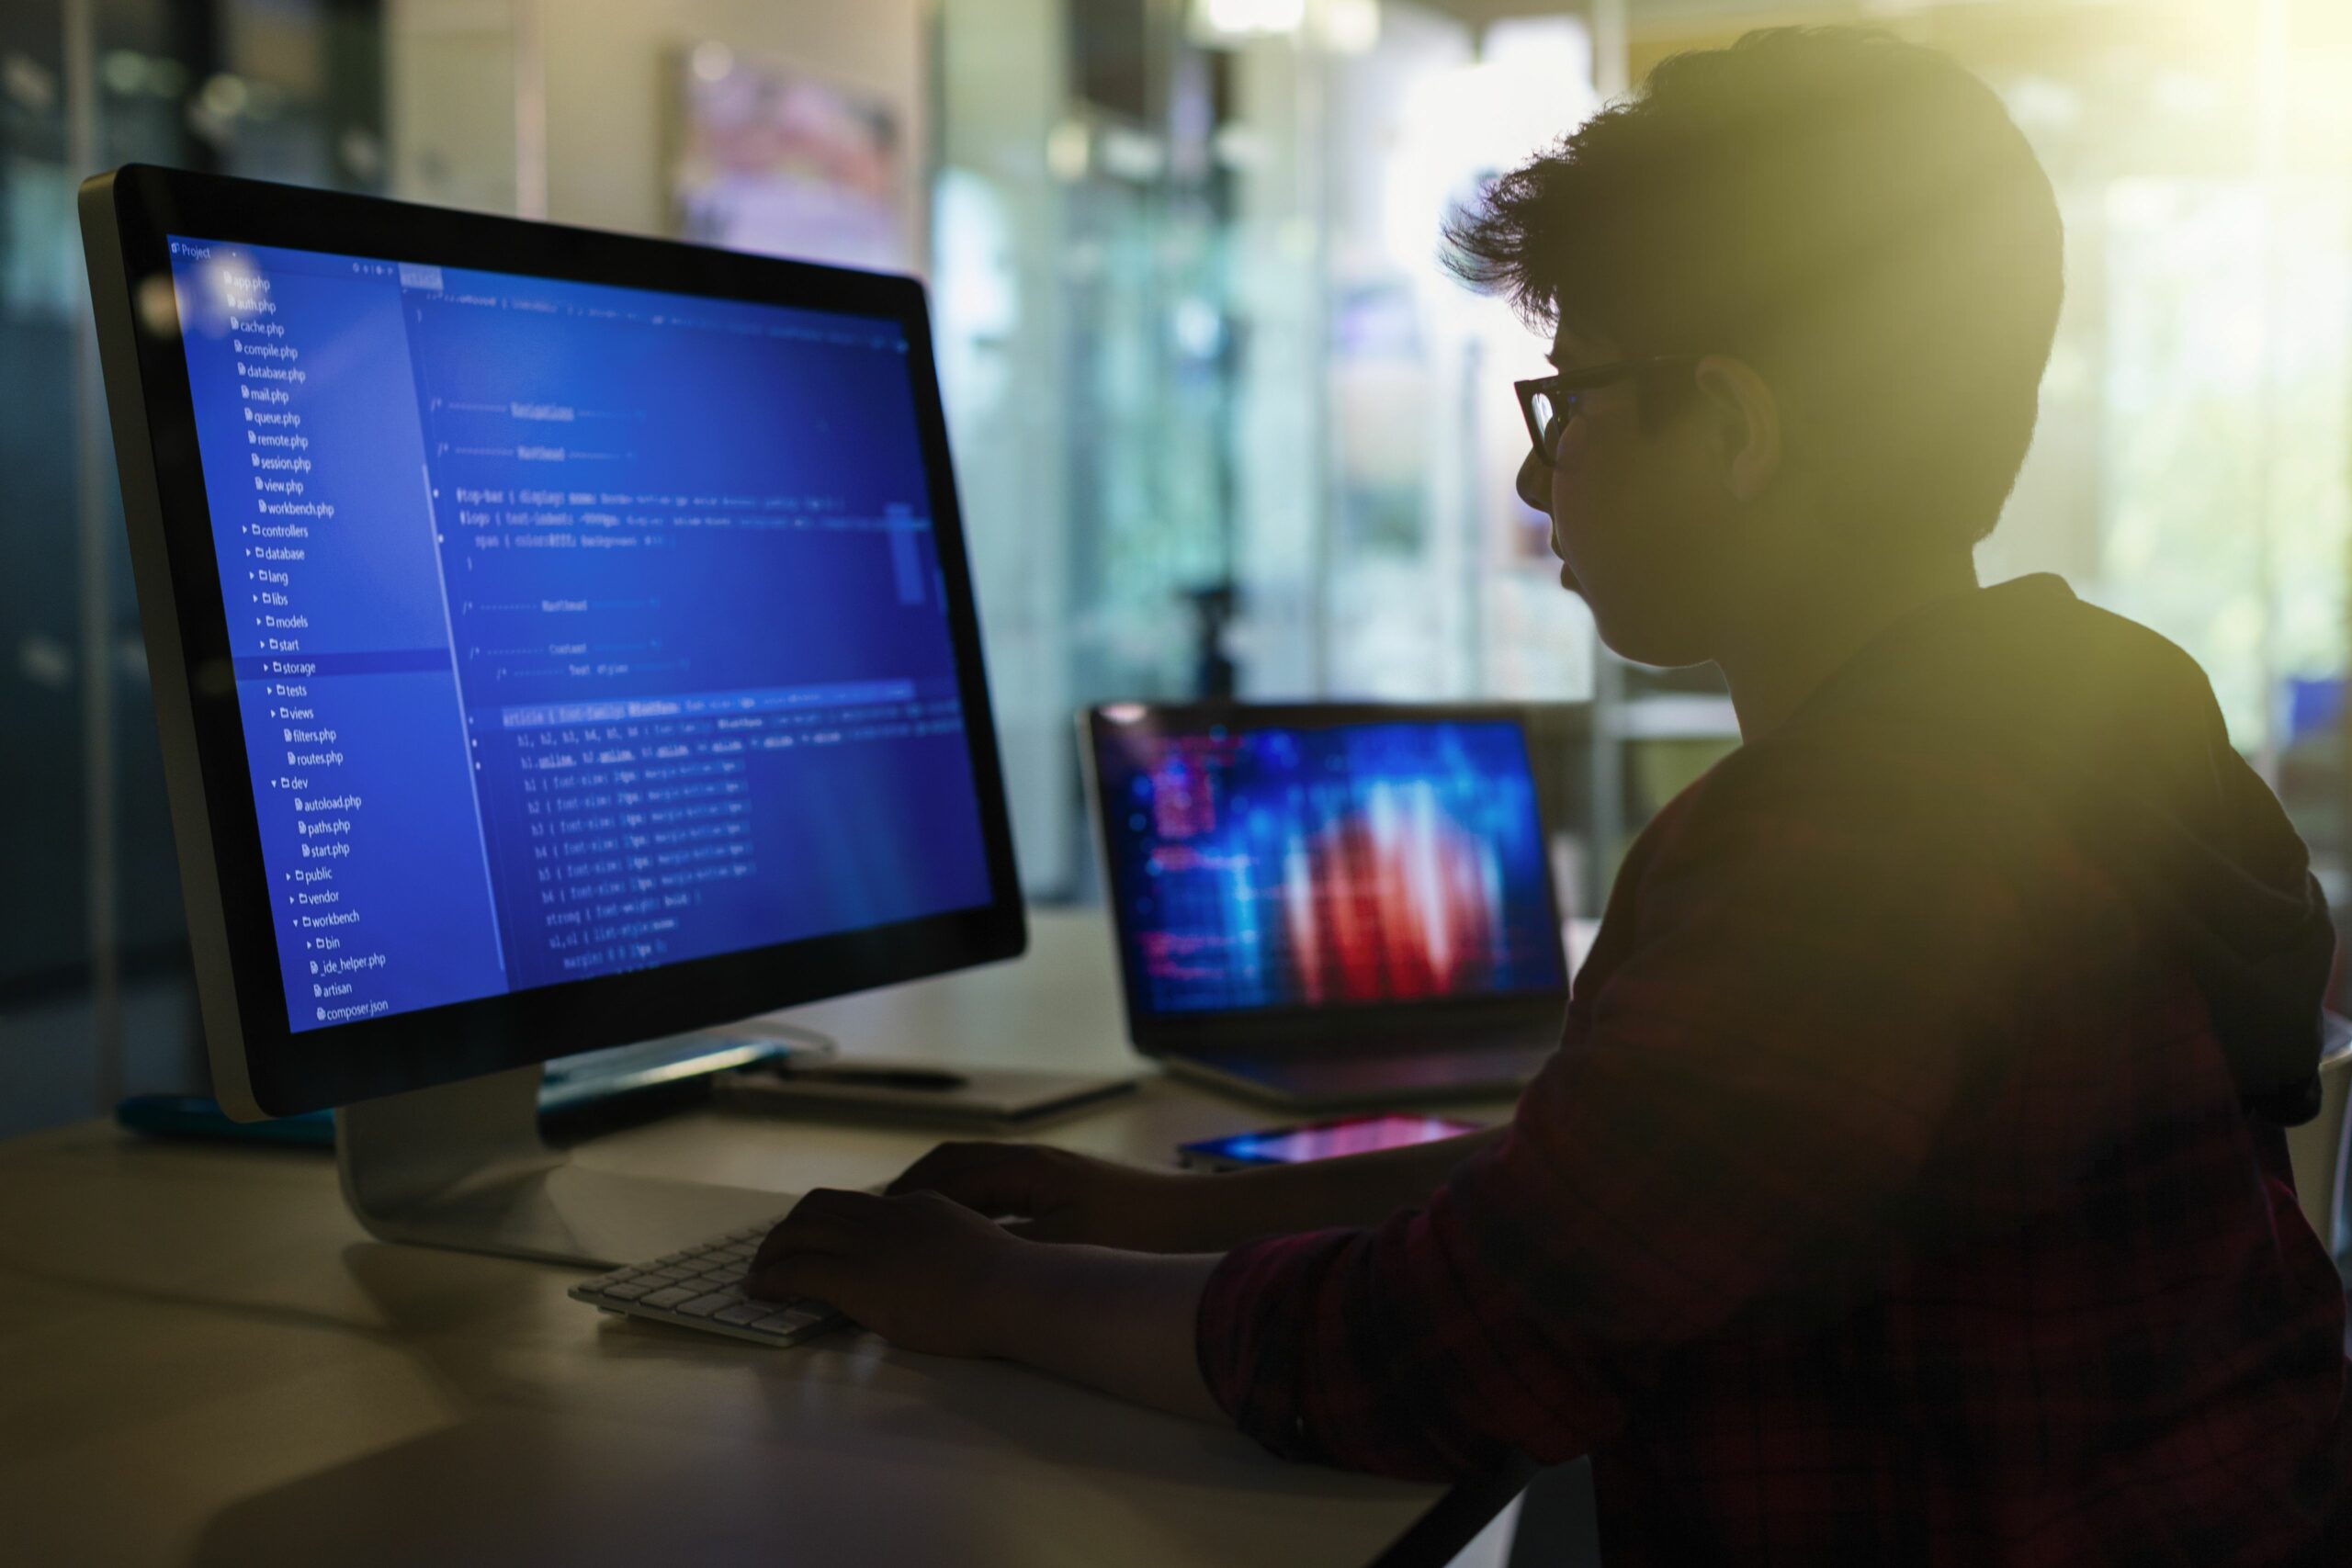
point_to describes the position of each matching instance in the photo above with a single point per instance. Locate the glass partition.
(1222, 423)
(93, 963)
(1224, 426)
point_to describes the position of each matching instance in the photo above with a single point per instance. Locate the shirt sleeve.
(1739, 1112)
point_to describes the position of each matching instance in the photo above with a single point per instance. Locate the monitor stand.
(463, 1166)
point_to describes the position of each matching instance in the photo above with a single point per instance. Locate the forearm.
(1120, 1322)
(1357, 1190)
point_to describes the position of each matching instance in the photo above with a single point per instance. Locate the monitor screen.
(1288, 866)
(576, 628)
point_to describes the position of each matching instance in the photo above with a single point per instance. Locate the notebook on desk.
(979, 1097)
(1325, 906)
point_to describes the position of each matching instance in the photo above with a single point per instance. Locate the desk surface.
(203, 1358)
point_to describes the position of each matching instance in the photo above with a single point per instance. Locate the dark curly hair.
(1855, 216)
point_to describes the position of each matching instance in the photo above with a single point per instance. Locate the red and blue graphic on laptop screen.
(1312, 866)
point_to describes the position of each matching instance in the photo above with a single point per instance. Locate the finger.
(793, 1238)
(949, 1162)
(825, 1220)
(1063, 1225)
(831, 1199)
(1009, 1179)
(802, 1274)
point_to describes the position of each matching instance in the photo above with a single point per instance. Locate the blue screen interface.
(1349, 865)
(576, 630)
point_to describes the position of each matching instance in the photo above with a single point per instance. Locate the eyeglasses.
(1548, 403)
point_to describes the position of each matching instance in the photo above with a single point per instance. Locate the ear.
(1745, 418)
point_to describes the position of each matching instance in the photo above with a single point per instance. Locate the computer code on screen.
(577, 629)
(1317, 867)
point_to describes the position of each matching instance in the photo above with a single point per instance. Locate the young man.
(1909, 1185)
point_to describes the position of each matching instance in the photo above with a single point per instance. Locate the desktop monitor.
(559, 638)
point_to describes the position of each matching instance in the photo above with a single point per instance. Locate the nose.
(1534, 484)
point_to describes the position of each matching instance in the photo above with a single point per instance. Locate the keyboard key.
(703, 1284)
(800, 1316)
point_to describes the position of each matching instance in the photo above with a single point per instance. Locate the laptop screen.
(1258, 866)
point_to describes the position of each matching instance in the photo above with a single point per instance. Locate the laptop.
(1327, 906)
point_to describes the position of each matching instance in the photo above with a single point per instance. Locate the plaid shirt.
(1830, 1248)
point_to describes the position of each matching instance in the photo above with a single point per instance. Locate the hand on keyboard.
(702, 1287)
(916, 1270)
(1059, 1195)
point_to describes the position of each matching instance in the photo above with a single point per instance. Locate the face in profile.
(1632, 520)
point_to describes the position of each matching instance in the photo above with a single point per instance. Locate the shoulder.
(1870, 842)
(1898, 792)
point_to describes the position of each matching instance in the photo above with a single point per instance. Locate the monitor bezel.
(1318, 1028)
(260, 1066)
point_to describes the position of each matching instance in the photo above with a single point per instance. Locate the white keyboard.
(703, 1288)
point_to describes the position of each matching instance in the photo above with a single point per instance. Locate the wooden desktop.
(204, 1360)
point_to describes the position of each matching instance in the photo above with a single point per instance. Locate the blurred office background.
(1222, 425)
